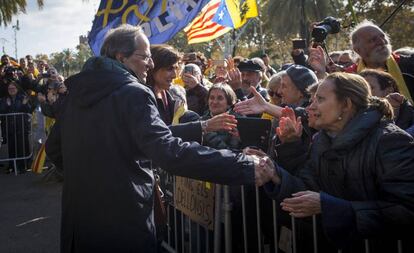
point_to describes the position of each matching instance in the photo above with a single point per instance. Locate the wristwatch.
(204, 125)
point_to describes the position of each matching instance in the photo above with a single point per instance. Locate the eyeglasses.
(145, 57)
(273, 94)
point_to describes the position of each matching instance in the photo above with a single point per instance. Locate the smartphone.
(188, 69)
(299, 43)
(190, 57)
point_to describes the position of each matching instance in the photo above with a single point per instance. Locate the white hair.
(364, 24)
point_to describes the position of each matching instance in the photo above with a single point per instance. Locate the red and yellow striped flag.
(202, 28)
(39, 162)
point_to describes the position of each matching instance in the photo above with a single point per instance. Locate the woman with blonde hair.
(359, 178)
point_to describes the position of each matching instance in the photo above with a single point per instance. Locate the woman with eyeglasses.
(273, 90)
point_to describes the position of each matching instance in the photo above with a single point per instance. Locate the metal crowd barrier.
(16, 141)
(185, 235)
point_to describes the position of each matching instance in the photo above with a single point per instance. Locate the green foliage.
(279, 22)
(69, 61)
(10, 8)
(400, 27)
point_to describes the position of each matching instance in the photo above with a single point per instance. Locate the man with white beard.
(375, 52)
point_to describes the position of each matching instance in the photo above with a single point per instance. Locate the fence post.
(227, 208)
(217, 220)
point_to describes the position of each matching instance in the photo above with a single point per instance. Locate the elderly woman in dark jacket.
(359, 178)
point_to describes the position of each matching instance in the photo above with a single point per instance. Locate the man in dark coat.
(106, 137)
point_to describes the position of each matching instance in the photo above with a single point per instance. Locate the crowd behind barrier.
(16, 139)
(340, 140)
(185, 232)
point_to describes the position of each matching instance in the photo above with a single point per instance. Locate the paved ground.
(29, 214)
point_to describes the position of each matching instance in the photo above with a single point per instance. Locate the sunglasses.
(273, 94)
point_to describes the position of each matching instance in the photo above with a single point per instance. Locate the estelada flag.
(203, 28)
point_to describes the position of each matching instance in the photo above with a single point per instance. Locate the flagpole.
(233, 53)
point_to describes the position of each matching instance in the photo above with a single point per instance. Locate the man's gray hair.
(122, 39)
(366, 23)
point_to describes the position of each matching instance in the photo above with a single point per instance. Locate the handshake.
(264, 168)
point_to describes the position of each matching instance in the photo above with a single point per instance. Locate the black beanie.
(301, 77)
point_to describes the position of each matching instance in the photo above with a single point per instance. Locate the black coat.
(367, 171)
(107, 135)
(406, 64)
(405, 117)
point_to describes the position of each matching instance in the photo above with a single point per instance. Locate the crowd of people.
(341, 142)
(25, 85)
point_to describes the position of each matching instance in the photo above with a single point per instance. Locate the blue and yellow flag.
(160, 20)
(234, 13)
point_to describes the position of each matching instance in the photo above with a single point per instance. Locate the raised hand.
(303, 204)
(255, 105)
(224, 121)
(230, 63)
(290, 128)
(189, 80)
(235, 78)
(317, 60)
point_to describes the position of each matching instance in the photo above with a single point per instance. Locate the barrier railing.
(16, 140)
(268, 233)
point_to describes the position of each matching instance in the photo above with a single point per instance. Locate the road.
(29, 214)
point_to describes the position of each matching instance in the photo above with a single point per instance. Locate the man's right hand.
(264, 170)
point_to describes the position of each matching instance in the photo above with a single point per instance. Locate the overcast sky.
(55, 27)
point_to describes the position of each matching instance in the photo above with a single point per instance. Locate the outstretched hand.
(290, 128)
(255, 105)
(224, 121)
(303, 204)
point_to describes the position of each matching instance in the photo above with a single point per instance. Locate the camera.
(9, 71)
(329, 25)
